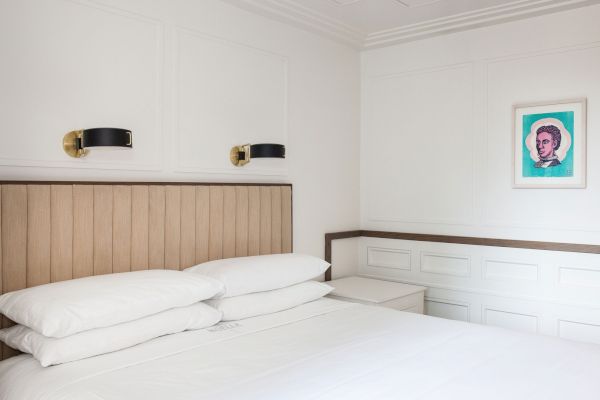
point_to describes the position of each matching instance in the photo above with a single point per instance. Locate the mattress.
(326, 349)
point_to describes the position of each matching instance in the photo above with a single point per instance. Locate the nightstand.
(398, 296)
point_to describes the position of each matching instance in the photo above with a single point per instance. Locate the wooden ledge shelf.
(475, 241)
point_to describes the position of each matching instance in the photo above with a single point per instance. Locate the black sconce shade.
(241, 155)
(75, 143)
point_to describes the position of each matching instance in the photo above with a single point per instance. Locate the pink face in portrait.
(545, 145)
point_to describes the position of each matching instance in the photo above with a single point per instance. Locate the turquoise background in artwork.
(564, 170)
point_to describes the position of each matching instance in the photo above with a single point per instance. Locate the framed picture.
(549, 149)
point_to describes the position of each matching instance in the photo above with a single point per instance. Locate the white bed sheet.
(325, 349)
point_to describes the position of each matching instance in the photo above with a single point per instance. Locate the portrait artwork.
(549, 145)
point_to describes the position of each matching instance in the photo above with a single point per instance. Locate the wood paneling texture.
(253, 221)
(38, 234)
(156, 227)
(61, 257)
(241, 221)
(53, 231)
(172, 227)
(188, 226)
(286, 219)
(83, 231)
(139, 228)
(229, 212)
(202, 223)
(215, 232)
(265, 220)
(103, 229)
(14, 245)
(122, 228)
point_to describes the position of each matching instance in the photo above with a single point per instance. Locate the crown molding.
(475, 19)
(292, 12)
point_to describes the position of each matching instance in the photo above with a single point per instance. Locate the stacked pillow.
(70, 320)
(261, 285)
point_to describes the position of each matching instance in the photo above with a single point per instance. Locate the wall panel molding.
(579, 331)
(446, 308)
(378, 257)
(372, 86)
(480, 87)
(583, 277)
(445, 264)
(502, 270)
(54, 158)
(504, 288)
(585, 225)
(249, 133)
(509, 319)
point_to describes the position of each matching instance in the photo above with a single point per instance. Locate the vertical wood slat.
(253, 221)
(241, 221)
(215, 244)
(156, 225)
(121, 228)
(1, 272)
(286, 219)
(61, 258)
(265, 220)
(14, 237)
(172, 226)
(275, 220)
(139, 227)
(83, 231)
(229, 210)
(2, 345)
(103, 229)
(38, 235)
(14, 243)
(188, 227)
(202, 223)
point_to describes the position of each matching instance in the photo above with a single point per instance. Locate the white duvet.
(323, 350)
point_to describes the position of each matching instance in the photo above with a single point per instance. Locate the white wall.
(191, 79)
(436, 158)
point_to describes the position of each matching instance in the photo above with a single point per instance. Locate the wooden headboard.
(54, 231)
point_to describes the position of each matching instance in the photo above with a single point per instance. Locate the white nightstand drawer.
(398, 296)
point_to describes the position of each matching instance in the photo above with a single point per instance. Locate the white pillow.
(254, 304)
(52, 351)
(64, 308)
(245, 275)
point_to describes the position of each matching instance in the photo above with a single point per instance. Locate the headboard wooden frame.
(54, 231)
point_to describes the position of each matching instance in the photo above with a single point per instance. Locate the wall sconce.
(75, 143)
(241, 155)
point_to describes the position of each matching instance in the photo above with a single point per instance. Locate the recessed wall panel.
(580, 331)
(227, 94)
(566, 74)
(79, 66)
(420, 145)
(446, 309)
(497, 270)
(445, 264)
(579, 277)
(389, 258)
(510, 320)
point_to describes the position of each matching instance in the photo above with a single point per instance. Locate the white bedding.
(325, 349)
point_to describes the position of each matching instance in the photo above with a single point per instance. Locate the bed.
(324, 349)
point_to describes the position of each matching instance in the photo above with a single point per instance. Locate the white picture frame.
(549, 145)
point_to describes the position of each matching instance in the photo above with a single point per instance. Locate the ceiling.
(377, 23)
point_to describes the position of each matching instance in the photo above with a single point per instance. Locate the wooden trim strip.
(334, 236)
(474, 241)
(143, 183)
